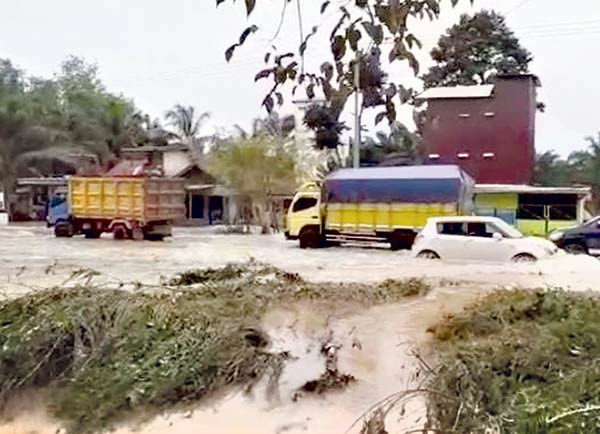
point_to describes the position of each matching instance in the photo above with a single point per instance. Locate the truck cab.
(58, 209)
(303, 219)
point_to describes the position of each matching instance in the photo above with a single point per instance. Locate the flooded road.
(31, 257)
(383, 347)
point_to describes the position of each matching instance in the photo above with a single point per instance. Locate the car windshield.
(507, 230)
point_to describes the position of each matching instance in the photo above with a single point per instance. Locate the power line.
(523, 3)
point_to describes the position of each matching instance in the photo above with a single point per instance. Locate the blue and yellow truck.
(383, 204)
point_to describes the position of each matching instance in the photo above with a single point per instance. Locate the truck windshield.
(304, 203)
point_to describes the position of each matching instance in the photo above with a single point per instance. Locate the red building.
(488, 130)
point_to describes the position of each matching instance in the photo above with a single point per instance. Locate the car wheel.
(525, 258)
(428, 254)
(310, 239)
(575, 249)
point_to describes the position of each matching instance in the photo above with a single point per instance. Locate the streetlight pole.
(356, 147)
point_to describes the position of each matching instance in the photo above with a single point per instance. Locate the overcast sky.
(165, 52)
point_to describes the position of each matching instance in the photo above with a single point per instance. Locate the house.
(533, 210)
(488, 130)
(207, 202)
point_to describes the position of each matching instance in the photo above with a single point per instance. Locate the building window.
(463, 155)
(562, 207)
(434, 156)
(488, 155)
(464, 115)
(489, 114)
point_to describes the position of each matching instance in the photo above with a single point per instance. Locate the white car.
(487, 239)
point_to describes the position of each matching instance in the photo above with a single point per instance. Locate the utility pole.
(357, 126)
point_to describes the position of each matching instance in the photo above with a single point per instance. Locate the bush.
(520, 361)
(108, 353)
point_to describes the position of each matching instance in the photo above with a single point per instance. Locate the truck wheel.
(120, 232)
(137, 234)
(402, 240)
(310, 239)
(64, 230)
(91, 235)
(154, 237)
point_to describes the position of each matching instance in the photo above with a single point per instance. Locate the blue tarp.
(413, 184)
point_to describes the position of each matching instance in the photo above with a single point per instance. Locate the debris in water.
(332, 378)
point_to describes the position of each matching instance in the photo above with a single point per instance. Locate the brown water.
(376, 345)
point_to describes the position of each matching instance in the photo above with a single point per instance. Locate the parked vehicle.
(129, 207)
(579, 240)
(384, 204)
(487, 239)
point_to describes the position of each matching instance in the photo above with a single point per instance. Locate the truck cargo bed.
(130, 198)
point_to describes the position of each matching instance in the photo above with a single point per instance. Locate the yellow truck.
(383, 204)
(129, 207)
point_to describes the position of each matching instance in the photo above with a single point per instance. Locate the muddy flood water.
(383, 347)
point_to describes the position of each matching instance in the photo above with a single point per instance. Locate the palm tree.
(187, 125)
(398, 147)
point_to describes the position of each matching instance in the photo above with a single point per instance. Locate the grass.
(110, 354)
(520, 362)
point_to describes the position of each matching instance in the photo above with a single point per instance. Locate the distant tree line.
(579, 168)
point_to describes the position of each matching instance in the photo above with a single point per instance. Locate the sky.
(160, 53)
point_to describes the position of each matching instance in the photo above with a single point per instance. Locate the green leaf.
(250, 4)
(353, 36)
(338, 47)
(380, 116)
(412, 40)
(268, 103)
(279, 97)
(229, 52)
(263, 74)
(375, 32)
(327, 70)
(247, 32)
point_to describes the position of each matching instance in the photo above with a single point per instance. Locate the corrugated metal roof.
(530, 189)
(483, 91)
(404, 172)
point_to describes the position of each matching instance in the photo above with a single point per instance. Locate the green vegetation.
(475, 50)
(580, 167)
(110, 354)
(520, 361)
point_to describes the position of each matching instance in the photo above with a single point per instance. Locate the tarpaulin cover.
(413, 184)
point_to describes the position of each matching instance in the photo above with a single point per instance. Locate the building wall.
(503, 125)
(506, 206)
